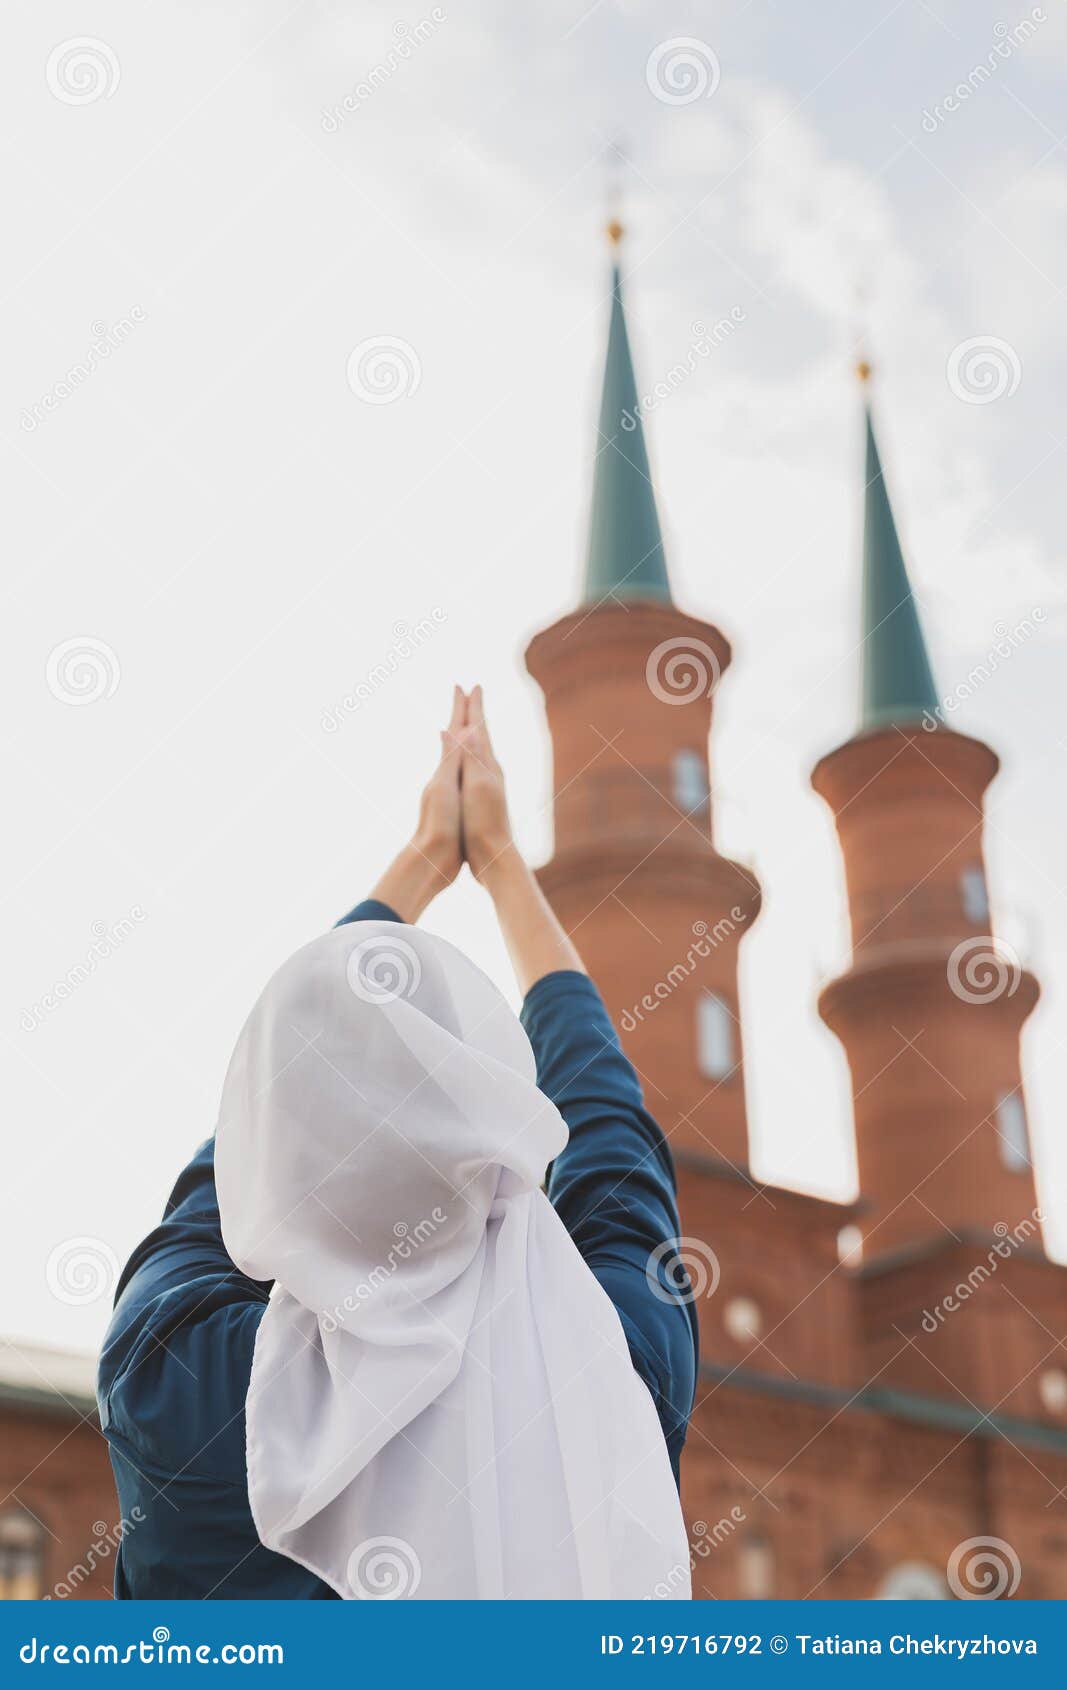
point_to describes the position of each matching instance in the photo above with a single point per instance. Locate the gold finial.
(864, 368)
(616, 230)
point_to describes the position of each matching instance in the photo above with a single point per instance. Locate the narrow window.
(1012, 1133)
(975, 897)
(757, 1568)
(690, 781)
(715, 1037)
(21, 1557)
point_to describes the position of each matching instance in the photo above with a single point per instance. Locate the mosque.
(882, 1405)
(882, 1402)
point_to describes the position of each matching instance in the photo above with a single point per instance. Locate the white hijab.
(442, 1402)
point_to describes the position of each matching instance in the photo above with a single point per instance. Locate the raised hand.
(535, 940)
(486, 825)
(437, 835)
(434, 856)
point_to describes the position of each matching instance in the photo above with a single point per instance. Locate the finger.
(459, 709)
(476, 708)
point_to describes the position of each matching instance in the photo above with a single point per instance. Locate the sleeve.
(371, 909)
(614, 1188)
(177, 1357)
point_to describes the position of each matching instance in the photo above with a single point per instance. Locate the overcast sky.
(220, 530)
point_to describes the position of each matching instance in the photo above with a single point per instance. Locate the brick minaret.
(931, 1008)
(629, 682)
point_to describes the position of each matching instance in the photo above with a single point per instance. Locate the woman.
(363, 1356)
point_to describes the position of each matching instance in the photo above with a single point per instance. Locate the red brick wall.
(57, 1468)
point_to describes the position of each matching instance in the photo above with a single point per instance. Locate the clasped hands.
(463, 816)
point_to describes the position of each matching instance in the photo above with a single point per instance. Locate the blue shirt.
(177, 1358)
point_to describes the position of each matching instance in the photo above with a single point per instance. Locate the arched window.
(715, 1037)
(21, 1556)
(912, 1581)
(756, 1569)
(1012, 1135)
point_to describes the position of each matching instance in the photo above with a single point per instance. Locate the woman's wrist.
(505, 868)
(410, 882)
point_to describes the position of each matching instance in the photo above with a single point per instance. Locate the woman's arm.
(613, 1185)
(433, 857)
(536, 942)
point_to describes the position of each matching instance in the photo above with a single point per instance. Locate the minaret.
(931, 1008)
(629, 681)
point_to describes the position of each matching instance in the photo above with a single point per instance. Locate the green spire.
(898, 685)
(625, 557)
